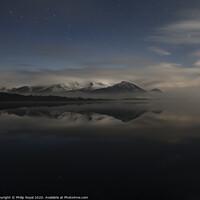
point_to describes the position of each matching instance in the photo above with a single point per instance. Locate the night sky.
(153, 43)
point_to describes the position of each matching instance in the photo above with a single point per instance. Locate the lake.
(105, 150)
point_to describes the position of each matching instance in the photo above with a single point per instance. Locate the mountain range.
(91, 88)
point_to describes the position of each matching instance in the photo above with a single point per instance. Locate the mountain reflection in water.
(124, 112)
(132, 150)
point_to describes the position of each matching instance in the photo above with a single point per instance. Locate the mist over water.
(146, 149)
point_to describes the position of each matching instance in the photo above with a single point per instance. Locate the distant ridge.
(17, 97)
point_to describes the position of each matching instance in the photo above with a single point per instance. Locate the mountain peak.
(156, 90)
(125, 82)
(122, 87)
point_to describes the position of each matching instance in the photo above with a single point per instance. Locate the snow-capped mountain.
(123, 87)
(57, 88)
(72, 87)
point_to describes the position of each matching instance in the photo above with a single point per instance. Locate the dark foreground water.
(129, 150)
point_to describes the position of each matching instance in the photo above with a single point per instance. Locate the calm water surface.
(127, 150)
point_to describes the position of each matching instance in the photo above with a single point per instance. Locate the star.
(11, 13)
